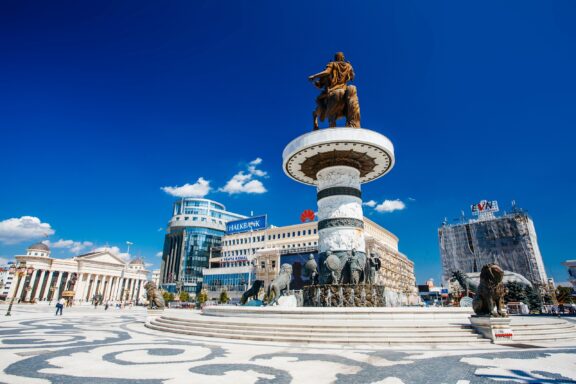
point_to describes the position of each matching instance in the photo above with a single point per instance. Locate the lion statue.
(280, 285)
(252, 292)
(155, 299)
(489, 299)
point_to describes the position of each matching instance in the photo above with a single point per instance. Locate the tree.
(201, 298)
(224, 299)
(168, 296)
(564, 295)
(515, 292)
(184, 296)
(533, 299)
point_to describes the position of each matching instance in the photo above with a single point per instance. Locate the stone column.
(22, 283)
(106, 289)
(56, 295)
(45, 287)
(79, 287)
(28, 296)
(39, 287)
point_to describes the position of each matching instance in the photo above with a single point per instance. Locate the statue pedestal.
(337, 161)
(496, 329)
(287, 302)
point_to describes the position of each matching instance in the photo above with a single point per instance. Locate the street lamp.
(19, 272)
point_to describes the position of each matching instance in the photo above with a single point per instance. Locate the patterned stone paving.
(96, 346)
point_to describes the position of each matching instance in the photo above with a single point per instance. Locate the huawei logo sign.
(307, 215)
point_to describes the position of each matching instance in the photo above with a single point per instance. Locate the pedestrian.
(59, 306)
(106, 306)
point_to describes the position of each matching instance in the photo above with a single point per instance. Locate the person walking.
(59, 306)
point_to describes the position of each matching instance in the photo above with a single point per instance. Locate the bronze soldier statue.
(338, 99)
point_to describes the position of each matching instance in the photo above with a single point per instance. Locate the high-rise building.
(509, 240)
(194, 234)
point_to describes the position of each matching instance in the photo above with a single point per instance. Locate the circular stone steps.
(542, 329)
(312, 329)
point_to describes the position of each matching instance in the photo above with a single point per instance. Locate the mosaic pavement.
(89, 345)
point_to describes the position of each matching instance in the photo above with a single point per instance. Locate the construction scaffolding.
(509, 241)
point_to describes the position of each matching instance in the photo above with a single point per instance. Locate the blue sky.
(103, 103)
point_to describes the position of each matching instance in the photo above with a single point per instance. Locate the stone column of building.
(45, 284)
(38, 291)
(79, 287)
(129, 289)
(111, 289)
(56, 294)
(107, 287)
(22, 284)
(28, 296)
(48, 284)
(86, 287)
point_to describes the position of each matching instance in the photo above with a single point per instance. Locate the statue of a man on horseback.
(338, 99)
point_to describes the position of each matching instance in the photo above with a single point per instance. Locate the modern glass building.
(194, 235)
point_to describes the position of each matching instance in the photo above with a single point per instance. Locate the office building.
(193, 236)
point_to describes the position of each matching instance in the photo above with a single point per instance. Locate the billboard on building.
(255, 223)
(484, 206)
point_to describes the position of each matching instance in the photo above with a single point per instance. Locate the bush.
(201, 298)
(184, 296)
(168, 296)
(224, 299)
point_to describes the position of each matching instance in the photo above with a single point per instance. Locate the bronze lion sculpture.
(252, 292)
(280, 285)
(489, 299)
(155, 299)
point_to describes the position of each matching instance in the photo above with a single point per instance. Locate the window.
(283, 235)
(293, 234)
(268, 237)
(314, 230)
(298, 233)
(263, 264)
(273, 264)
(309, 231)
(288, 235)
(186, 218)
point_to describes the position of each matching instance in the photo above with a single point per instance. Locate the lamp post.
(19, 271)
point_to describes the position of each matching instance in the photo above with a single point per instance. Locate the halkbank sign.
(255, 223)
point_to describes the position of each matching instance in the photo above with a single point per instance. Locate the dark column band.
(340, 222)
(348, 191)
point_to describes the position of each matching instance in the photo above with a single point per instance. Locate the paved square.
(88, 345)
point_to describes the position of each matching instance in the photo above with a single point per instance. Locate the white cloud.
(159, 254)
(246, 182)
(411, 199)
(390, 206)
(370, 203)
(199, 189)
(25, 228)
(115, 251)
(74, 246)
(148, 265)
(160, 229)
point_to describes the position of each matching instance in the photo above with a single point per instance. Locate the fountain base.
(344, 295)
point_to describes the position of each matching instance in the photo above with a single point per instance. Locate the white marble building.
(79, 278)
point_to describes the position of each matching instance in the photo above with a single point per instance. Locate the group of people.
(60, 304)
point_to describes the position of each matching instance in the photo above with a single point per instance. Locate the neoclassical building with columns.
(79, 279)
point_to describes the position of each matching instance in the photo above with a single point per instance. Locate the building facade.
(509, 240)
(6, 279)
(259, 255)
(193, 236)
(80, 279)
